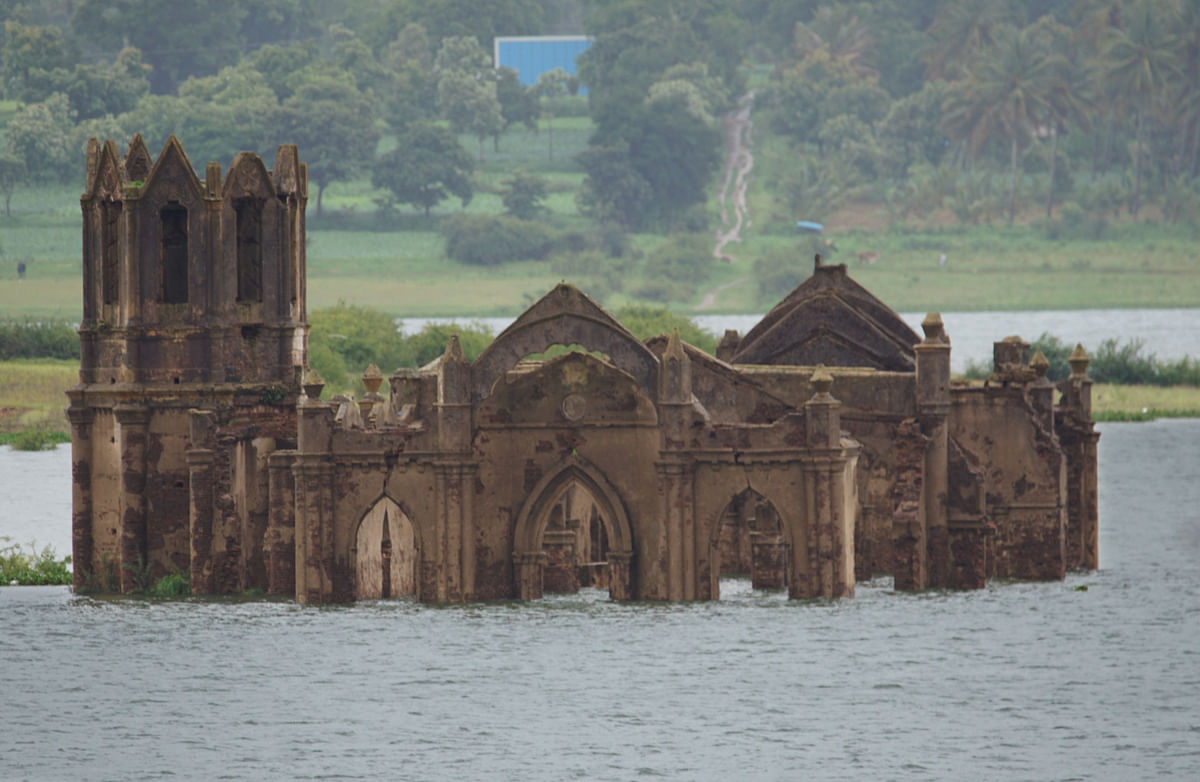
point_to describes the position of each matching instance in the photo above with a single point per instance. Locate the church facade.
(825, 446)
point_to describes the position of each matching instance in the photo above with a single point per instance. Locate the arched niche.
(565, 316)
(386, 553)
(529, 536)
(750, 530)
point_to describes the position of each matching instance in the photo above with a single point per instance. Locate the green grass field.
(396, 262)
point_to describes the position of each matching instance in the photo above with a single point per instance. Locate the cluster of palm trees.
(1116, 63)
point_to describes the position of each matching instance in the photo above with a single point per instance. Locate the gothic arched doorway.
(573, 521)
(385, 554)
(748, 539)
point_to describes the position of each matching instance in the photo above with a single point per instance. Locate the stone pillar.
(933, 407)
(830, 555)
(620, 575)
(454, 555)
(281, 525)
(768, 561)
(313, 477)
(529, 566)
(1041, 392)
(133, 424)
(1079, 439)
(82, 540)
(909, 546)
(676, 475)
(562, 571)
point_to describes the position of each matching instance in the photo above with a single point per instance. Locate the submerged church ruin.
(826, 446)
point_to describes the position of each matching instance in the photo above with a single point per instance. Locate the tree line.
(982, 108)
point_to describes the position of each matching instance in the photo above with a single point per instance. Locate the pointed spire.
(372, 379)
(137, 160)
(1040, 364)
(1079, 361)
(822, 382)
(674, 346)
(935, 330)
(454, 351)
(313, 384)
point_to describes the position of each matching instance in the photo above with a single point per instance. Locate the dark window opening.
(110, 225)
(249, 248)
(174, 254)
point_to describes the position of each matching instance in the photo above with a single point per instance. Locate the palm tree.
(960, 30)
(1004, 94)
(1070, 99)
(1142, 58)
(841, 35)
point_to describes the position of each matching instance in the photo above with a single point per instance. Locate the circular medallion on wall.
(573, 407)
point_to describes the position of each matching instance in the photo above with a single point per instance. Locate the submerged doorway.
(749, 541)
(385, 554)
(575, 541)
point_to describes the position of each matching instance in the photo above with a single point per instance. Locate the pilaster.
(82, 540)
(933, 407)
(133, 425)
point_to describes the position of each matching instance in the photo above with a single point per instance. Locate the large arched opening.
(748, 543)
(573, 531)
(385, 554)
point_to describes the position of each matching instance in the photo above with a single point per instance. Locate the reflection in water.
(1018, 681)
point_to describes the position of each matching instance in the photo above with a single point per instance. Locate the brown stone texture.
(828, 445)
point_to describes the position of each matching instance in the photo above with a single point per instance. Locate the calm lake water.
(1016, 682)
(1168, 333)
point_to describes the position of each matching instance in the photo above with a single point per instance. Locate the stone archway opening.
(749, 542)
(575, 541)
(385, 554)
(573, 531)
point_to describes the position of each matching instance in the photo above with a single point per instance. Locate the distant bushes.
(344, 339)
(38, 339)
(489, 240)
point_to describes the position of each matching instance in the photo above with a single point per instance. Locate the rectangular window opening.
(110, 236)
(174, 253)
(249, 248)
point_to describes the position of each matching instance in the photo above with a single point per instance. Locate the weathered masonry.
(825, 446)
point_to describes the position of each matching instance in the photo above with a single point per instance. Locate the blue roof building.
(532, 55)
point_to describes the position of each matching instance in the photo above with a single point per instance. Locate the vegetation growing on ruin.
(29, 566)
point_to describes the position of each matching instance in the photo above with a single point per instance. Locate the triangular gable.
(108, 177)
(138, 162)
(172, 168)
(248, 176)
(869, 333)
(727, 395)
(564, 316)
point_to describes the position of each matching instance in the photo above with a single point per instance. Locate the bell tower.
(193, 300)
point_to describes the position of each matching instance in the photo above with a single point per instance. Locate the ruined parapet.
(1010, 362)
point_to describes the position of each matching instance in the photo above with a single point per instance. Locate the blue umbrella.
(809, 225)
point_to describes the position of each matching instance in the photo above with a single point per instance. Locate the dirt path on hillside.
(710, 299)
(739, 162)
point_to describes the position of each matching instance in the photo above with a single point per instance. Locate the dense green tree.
(427, 166)
(30, 52)
(445, 18)
(911, 131)
(522, 194)
(614, 190)
(12, 173)
(1142, 58)
(334, 125)
(963, 28)
(1004, 95)
(469, 103)
(551, 85)
(277, 63)
(517, 103)
(40, 136)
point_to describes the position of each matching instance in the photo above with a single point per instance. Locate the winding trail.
(739, 162)
(710, 299)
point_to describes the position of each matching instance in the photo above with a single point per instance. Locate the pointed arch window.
(248, 212)
(174, 252)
